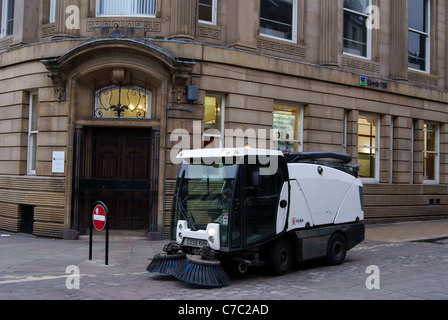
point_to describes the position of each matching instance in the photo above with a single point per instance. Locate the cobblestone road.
(36, 269)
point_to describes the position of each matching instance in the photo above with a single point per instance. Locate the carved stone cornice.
(59, 68)
(153, 25)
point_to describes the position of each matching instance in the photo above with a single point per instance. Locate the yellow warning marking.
(377, 246)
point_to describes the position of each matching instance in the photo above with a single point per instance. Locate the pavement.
(408, 231)
(20, 252)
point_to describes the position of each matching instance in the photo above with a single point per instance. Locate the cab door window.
(262, 194)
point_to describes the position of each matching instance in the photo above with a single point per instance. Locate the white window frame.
(99, 14)
(377, 148)
(221, 128)
(4, 22)
(214, 21)
(436, 153)
(294, 25)
(299, 141)
(32, 133)
(428, 39)
(369, 35)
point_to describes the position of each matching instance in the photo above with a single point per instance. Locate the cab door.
(262, 200)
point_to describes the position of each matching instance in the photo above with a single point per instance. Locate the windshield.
(203, 195)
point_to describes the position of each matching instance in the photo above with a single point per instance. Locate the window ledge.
(422, 77)
(286, 47)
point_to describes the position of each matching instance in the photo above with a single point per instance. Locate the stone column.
(328, 33)
(352, 134)
(241, 24)
(443, 158)
(183, 20)
(418, 151)
(399, 39)
(26, 22)
(386, 156)
(402, 150)
(62, 30)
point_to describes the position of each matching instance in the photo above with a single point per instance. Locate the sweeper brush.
(165, 264)
(205, 273)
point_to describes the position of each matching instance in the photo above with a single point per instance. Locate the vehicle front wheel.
(280, 257)
(336, 250)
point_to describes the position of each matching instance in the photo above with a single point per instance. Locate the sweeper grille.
(195, 270)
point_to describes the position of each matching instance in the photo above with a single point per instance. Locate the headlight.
(211, 231)
(180, 235)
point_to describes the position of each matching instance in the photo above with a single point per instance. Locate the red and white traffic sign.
(99, 217)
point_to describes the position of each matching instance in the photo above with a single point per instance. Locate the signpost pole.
(107, 238)
(90, 240)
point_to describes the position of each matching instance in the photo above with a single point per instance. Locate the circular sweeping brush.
(165, 264)
(205, 273)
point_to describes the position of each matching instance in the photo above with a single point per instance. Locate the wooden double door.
(119, 167)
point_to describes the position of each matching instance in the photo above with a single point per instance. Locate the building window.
(368, 146)
(128, 8)
(357, 37)
(419, 37)
(288, 128)
(32, 134)
(431, 152)
(214, 121)
(208, 11)
(52, 13)
(123, 102)
(278, 19)
(7, 18)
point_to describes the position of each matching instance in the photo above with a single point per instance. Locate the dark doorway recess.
(119, 167)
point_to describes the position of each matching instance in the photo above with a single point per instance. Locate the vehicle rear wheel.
(337, 249)
(280, 257)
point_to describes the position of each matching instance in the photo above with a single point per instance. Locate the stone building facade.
(91, 92)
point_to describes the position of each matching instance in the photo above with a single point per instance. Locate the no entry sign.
(99, 222)
(99, 217)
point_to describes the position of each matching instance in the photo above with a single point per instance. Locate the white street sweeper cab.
(240, 207)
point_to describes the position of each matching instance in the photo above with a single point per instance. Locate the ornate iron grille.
(123, 102)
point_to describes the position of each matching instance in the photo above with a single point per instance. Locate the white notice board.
(58, 165)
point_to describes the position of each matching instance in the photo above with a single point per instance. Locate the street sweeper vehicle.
(236, 208)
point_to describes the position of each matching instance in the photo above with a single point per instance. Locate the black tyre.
(280, 257)
(336, 250)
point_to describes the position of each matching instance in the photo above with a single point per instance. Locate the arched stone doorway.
(117, 156)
